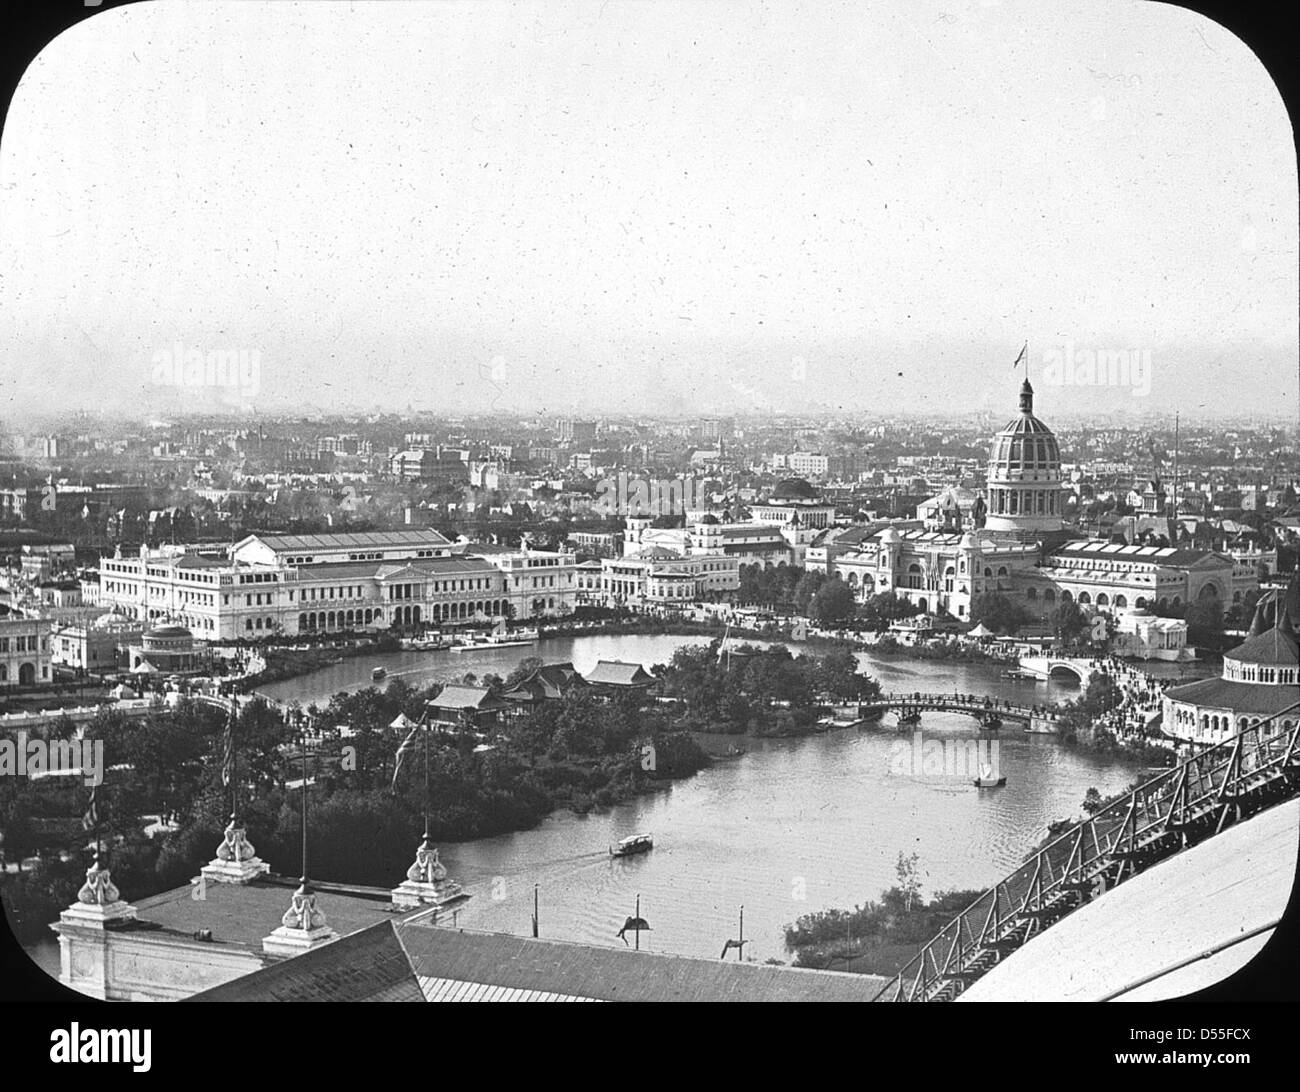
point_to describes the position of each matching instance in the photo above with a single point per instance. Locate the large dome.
(793, 489)
(1025, 446)
(1024, 475)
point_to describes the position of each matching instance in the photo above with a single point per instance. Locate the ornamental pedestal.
(302, 928)
(98, 902)
(84, 929)
(236, 860)
(426, 882)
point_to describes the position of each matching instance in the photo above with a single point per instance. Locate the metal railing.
(962, 703)
(1190, 802)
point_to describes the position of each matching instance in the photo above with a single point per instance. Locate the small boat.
(911, 717)
(501, 637)
(378, 673)
(628, 847)
(987, 780)
(990, 720)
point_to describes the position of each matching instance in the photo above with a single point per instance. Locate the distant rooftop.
(618, 673)
(353, 540)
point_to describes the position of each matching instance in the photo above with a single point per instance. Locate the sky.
(659, 207)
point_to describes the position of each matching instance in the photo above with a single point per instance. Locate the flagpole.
(304, 803)
(234, 760)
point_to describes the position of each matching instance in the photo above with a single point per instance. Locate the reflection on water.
(792, 827)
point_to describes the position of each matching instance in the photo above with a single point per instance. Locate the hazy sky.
(647, 207)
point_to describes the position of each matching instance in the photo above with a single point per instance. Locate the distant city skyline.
(675, 209)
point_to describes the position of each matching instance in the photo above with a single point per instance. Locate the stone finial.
(235, 845)
(302, 927)
(99, 888)
(236, 860)
(303, 913)
(426, 882)
(98, 902)
(427, 868)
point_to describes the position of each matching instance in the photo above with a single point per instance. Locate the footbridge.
(977, 705)
(1183, 806)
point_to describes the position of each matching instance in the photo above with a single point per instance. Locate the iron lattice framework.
(1195, 800)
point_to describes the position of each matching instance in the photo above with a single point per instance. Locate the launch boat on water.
(629, 847)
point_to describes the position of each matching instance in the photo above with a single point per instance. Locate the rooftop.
(1274, 647)
(618, 673)
(461, 696)
(352, 540)
(1240, 697)
(1115, 551)
(240, 915)
(456, 965)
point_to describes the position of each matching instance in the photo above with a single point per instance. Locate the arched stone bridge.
(1044, 667)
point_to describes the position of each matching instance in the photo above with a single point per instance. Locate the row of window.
(24, 643)
(1035, 502)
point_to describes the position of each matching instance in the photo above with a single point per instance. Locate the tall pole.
(636, 925)
(425, 733)
(535, 914)
(304, 801)
(1173, 529)
(741, 949)
(234, 759)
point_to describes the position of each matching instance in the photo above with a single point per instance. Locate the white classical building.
(1014, 542)
(1145, 636)
(234, 918)
(666, 579)
(291, 584)
(746, 542)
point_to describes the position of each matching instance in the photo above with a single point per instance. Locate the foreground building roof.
(456, 965)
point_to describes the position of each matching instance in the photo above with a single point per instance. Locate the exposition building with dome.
(1013, 540)
(1260, 682)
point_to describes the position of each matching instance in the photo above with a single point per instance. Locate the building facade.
(293, 584)
(1259, 685)
(24, 652)
(1014, 542)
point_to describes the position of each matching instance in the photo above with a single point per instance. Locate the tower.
(1024, 478)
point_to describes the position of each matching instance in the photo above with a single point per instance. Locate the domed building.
(1024, 498)
(1015, 543)
(797, 489)
(167, 650)
(795, 505)
(1260, 682)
